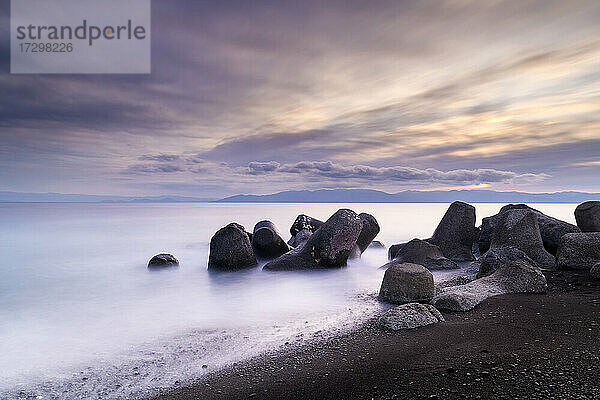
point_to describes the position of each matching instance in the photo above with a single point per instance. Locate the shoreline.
(510, 346)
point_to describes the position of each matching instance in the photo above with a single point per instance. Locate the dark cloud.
(153, 168)
(160, 157)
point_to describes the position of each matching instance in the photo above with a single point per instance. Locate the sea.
(81, 316)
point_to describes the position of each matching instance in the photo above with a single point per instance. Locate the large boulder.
(230, 249)
(303, 222)
(495, 258)
(370, 229)
(163, 260)
(419, 251)
(329, 247)
(587, 216)
(578, 251)
(267, 242)
(406, 283)
(551, 229)
(409, 316)
(456, 232)
(519, 228)
(514, 277)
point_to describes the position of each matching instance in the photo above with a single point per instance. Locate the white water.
(82, 317)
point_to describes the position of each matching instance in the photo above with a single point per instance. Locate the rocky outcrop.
(514, 277)
(419, 251)
(495, 258)
(304, 222)
(551, 229)
(456, 232)
(578, 251)
(163, 260)
(587, 216)
(230, 249)
(519, 228)
(267, 242)
(406, 283)
(329, 247)
(409, 316)
(370, 229)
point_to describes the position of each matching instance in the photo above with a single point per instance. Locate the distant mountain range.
(412, 196)
(322, 196)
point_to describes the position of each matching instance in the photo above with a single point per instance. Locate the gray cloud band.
(163, 163)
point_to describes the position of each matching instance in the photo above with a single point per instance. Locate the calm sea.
(82, 317)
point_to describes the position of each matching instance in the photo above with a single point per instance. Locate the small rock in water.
(163, 260)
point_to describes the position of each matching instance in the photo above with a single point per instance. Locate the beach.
(516, 346)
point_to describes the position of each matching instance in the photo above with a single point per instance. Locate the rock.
(514, 277)
(456, 232)
(370, 229)
(163, 260)
(424, 253)
(551, 229)
(578, 251)
(329, 247)
(376, 244)
(456, 281)
(438, 264)
(230, 249)
(519, 228)
(409, 316)
(266, 241)
(485, 236)
(406, 283)
(304, 222)
(300, 238)
(394, 249)
(595, 271)
(587, 216)
(495, 258)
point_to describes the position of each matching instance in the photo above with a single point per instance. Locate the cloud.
(330, 172)
(264, 86)
(327, 169)
(160, 157)
(153, 168)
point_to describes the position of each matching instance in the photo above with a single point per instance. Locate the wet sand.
(509, 347)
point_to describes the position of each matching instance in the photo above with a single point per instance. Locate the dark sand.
(509, 347)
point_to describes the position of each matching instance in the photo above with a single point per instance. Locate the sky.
(257, 97)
